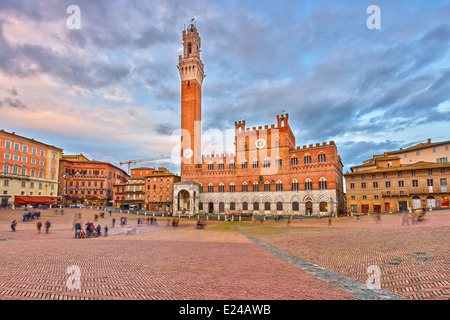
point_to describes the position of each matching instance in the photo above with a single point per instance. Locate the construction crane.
(129, 162)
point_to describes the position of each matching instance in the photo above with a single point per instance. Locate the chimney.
(429, 141)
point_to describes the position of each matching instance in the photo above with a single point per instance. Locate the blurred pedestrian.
(106, 230)
(405, 219)
(39, 226)
(47, 226)
(113, 221)
(13, 225)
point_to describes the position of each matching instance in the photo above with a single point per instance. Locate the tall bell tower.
(192, 74)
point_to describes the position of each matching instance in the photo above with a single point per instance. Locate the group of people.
(91, 230)
(415, 216)
(28, 216)
(148, 220)
(39, 226)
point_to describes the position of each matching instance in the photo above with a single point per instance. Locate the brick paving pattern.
(414, 259)
(160, 262)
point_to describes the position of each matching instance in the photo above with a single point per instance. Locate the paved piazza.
(226, 260)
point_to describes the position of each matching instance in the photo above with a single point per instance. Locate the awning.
(21, 200)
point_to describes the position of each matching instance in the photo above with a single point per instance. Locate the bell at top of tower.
(190, 65)
(191, 42)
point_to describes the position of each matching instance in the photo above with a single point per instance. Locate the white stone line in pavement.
(352, 286)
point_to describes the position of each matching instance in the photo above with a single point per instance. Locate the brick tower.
(191, 71)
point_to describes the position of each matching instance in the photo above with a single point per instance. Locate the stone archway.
(185, 199)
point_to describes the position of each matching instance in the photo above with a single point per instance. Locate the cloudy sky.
(111, 89)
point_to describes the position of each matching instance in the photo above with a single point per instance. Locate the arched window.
(294, 185)
(232, 166)
(244, 187)
(210, 166)
(200, 206)
(221, 187)
(279, 206)
(244, 206)
(267, 186)
(279, 185)
(266, 162)
(295, 206)
(322, 184)
(221, 165)
(200, 188)
(294, 161)
(255, 205)
(232, 187)
(189, 48)
(232, 205)
(322, 157)
(307, 158)
(210, 187)
(255, 186)
(278, 162)
(308, 184)
(323, 206)
(244, 164)
(255, 163)
(267, 206)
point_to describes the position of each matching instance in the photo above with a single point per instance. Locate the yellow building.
(386, 185)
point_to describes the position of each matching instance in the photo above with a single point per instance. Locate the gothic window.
(210, 187)
(232, 187)
(322, 157)
(266, 186)
(322, 184)
(307, 159)
(266, 163)
(294, 185)
(221, 187)
(279, 186)
(255, 186)
(244, 187)
(294, 161)
(278, 162)
(308, 184)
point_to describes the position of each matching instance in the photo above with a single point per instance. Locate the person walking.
(47, 226)
(106, 230)
(113, 221)
(39, 226)
(13, 225)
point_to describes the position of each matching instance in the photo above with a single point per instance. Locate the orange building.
(159, 191)
(28, 171)
(267, 173)
(88, 182)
